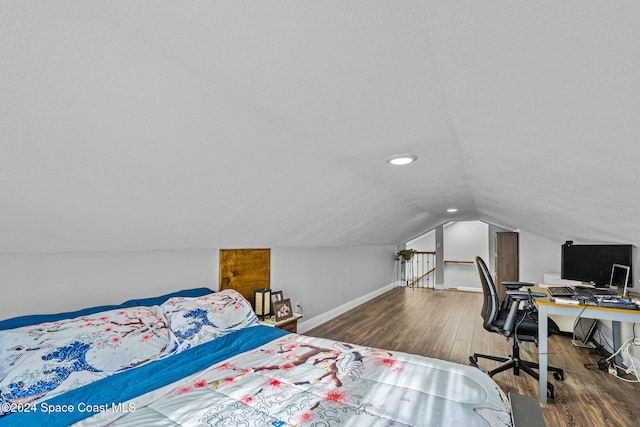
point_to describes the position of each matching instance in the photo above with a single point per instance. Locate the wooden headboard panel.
(245, 270)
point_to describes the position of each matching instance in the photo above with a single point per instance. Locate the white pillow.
(196, 320)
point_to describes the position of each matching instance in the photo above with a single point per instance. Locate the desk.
(545, 308)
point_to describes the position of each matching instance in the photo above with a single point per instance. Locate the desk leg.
(542, 350)
(615, 329)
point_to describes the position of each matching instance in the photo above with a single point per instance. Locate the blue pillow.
(34, 319)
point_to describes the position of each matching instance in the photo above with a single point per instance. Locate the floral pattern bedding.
(44, 360)
(50, 358)
(298, 381)
(290, 380)
(202, 319)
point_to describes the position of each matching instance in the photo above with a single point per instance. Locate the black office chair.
(509, 320)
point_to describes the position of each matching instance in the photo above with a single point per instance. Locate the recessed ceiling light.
(452, 210)
(402, 159)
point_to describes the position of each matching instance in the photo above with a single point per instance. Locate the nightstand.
(290, 324)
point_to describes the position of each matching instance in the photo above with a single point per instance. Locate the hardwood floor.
(447, 325)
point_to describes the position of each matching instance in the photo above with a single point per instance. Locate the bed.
(198, 357)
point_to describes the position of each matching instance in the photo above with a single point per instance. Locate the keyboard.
(561, 291)
(598, 293)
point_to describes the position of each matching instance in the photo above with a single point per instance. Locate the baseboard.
(468, 289)
(459, 288)
(316, 321)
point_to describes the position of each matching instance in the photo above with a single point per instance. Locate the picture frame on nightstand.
(275, 297)
(282, 310)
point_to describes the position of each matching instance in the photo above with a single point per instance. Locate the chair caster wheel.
(550, 392)
(473, 360)
(559, 376)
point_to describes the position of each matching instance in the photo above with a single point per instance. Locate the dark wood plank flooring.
(447, 325)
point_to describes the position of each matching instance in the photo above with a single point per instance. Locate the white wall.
(321, 279)
(538, 255)
(424, 243)
(325, 278)
(50, 283)
(463, 241)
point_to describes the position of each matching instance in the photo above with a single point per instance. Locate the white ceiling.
(183, 125)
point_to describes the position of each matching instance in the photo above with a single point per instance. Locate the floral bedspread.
(297, 380)
(41, 361)
(50, 358)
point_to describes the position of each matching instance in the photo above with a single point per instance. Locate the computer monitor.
(619, 278)
(592, 263)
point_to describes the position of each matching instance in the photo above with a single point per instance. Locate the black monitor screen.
(593, 263)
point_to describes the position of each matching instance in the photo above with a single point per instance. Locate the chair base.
(517, 364)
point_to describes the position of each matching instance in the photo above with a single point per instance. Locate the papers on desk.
(569, 301)
(544, 285)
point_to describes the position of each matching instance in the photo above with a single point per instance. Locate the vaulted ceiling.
(150, 124)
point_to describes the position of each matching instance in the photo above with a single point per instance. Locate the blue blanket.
(72, 406)
(34, 319)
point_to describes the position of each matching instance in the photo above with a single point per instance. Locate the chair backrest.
(490, 306)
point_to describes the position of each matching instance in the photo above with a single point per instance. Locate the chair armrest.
(510, 321)
(522, 295)
(517, 297)
(516, 285)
